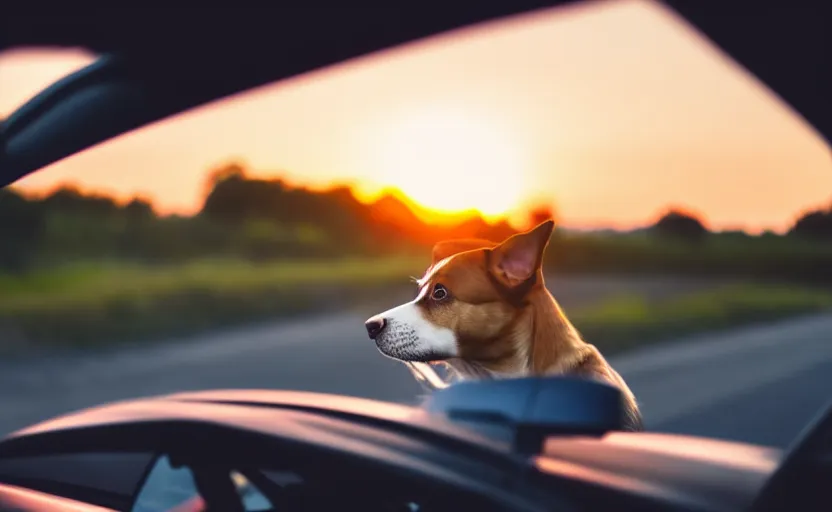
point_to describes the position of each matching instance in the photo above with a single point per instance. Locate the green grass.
(102, 304)
(105, 303)
(90, 285)
(764, 257)
(621, 323)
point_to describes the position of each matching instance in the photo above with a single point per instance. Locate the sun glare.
(451, 161)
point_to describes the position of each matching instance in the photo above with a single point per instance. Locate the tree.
(231, 171)
(540, 213)
(234, 197)
(815, 224)
(67, 199)
(680, 225)
(20, 231)
(139, 208)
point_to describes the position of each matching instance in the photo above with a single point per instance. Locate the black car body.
(454, 453)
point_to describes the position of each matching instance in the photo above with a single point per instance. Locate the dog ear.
(520, 256)
(448, 248)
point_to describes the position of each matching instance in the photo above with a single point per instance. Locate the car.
(514, 444)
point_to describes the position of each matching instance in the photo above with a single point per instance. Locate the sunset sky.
(612, 111)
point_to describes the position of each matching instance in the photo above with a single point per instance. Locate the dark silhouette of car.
(516, 444)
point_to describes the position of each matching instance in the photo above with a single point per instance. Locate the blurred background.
(243, 244)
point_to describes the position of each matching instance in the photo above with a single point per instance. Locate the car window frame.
(53, 485)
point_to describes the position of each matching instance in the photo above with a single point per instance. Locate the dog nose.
(374, 326)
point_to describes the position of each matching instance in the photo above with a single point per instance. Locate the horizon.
(563, 111)
(429, 218)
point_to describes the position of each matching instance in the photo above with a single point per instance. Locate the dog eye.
(439, 292)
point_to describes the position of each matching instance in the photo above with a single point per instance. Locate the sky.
(612, 111)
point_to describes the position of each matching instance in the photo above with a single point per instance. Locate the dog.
(483, 309)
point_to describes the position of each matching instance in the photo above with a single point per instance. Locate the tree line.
(256, 218)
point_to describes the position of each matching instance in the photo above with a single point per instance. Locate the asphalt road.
(759, 385)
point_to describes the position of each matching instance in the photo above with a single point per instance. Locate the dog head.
(471, 297)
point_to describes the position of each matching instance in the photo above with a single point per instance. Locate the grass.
(764, 257)
(93, 284)
(621, 323)
(89, 304)
(84, 305)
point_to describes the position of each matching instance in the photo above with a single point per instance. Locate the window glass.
(116, 473)
(174, 489)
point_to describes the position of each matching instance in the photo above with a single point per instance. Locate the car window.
(24, 72)
(244, 243)
(173, 489)
(106, 479)
(166, 488)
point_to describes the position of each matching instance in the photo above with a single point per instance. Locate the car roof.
(252, 410)
(326, 434)
(216, 52)
(687, 470)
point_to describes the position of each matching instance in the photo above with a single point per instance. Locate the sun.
(450, 161)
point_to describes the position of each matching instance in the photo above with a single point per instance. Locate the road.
(759, 384)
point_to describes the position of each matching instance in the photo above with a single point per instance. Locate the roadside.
(692, 385)
(761, 384)
(110, 308)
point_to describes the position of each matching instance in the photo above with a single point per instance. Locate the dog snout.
(374, 326)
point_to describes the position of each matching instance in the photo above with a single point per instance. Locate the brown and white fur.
(484, 309)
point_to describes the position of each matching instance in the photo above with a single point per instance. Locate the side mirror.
(533, 408)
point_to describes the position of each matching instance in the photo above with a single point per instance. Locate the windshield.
(24, 72)
(244, 244)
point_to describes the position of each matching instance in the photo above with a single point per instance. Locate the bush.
(21, 227)
(677, 224)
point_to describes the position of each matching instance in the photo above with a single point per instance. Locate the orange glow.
(610, 110)
(450, 161)
(430, 215)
